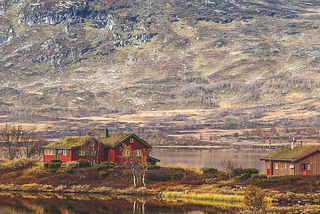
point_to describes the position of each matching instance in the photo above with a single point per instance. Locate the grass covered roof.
(69, 142)
(287, 153)
(113, 140)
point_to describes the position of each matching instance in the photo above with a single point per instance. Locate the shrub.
(251, 171)
(240, 171)
(209, 170)
(22, 163)
(84, 163)
(54, 165)
(103, 174)
(72, 164)
(46, 164)
(55, 162)
(153, 167)
(177, 169)
(104, 165)
(244, 176)
(258, 176)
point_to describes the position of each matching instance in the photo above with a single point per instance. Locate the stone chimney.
(106, 133)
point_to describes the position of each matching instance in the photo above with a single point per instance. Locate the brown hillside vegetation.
(198, 64)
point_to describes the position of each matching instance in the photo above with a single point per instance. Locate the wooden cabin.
(295, 161)
(114, 147)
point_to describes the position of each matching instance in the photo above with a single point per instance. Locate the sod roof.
(286, 153)
(113, 140)
(70, 142)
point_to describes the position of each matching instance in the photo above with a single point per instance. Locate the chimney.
(293, 143)
(106, 133)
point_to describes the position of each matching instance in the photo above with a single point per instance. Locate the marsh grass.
(203, 196)
(219, 204)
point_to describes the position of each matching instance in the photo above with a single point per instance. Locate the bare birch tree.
(10, 135)
(16, 142)
(138, 164)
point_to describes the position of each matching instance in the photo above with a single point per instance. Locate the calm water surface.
(246, 158)
(25, 203)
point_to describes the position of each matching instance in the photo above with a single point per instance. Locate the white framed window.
(276, 165)
(131, 140)
(49, 152)
(308, 166)
(65, 152)
(126, 153)
(138, 152)
(285, 166)
(305, 166)
(82, 152)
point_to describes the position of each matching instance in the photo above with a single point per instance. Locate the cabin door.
(111, 155)
(269, 167)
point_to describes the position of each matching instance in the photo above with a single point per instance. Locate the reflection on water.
(246, 158)
(28, 203)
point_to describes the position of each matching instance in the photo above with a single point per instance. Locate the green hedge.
(209, 170)
(83, 163)
(53, 164)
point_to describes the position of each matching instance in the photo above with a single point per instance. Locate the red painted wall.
(64, 158)
(47, 158)
(96, 147)
(134, 146)
(72, 154)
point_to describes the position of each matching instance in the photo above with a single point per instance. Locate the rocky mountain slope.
(245, 59)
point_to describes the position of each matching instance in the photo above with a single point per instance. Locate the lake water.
(246, 158)
(31, 203)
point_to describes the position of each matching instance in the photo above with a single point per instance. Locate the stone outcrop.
(38, 13)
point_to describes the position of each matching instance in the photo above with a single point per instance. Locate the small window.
(131, 140)
(91, 153)
(126, 153)
(138, 152)
(308, 166)
(276, 166)
(285, 166)
(82, 152)
(49, 152)
(302, 166)
(65, 152)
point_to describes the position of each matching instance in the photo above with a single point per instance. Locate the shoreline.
(205, 147)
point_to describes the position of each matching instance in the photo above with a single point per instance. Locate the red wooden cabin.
(114, 147)
(295, 161)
